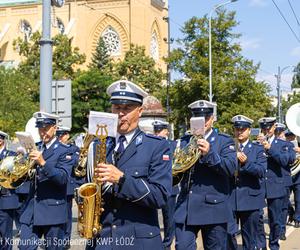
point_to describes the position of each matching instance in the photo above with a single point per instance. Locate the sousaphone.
(292, 120)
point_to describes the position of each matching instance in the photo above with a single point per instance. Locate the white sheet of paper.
(26, 140)
(197, 125)
(108, 119)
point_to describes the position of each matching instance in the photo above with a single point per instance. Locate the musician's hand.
(107, 172)
(38, 157)
(297, 149)
(241, 157)
(266, 145)
(261, 138)
(203, 145)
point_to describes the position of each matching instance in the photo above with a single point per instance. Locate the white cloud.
(250, 44)
(295, 52)
(258, 3)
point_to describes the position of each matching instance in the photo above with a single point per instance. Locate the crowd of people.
(222, 194)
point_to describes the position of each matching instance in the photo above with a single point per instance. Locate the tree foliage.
(65, 58)
(100, 58)
(141, 69)
(296, 77)
(235, 89)
(17, 100)
(89, 93)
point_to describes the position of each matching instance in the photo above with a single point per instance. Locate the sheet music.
(26, 140)
(197, 125)
(108, 119)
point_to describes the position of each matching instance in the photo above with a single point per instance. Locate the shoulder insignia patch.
(231, 147)
(139, 140)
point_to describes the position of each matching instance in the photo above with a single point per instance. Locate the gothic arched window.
(60, 25)
(154, 49)
(112, 41)
(26, 29)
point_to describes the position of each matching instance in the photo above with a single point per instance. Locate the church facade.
(119, 22)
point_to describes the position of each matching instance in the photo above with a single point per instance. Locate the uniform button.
(266, 170)
(114, 226)
(192, 181)
(136, 173)
(266, 178)
(191, 192)
(127, 199)
(215, 201)
(151, 233)
(115, 210)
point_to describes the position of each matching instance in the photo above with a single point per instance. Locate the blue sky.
(266, 38)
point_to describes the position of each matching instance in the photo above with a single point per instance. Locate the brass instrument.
(185, 158)
(293, 123)
(88, 196)
(80, 169)
(14, 170)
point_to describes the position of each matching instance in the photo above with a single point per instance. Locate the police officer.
(279, 133)
(45, 212)
(139, 170)
(161, 129)
(278, 155)
(294, 214)
(9, 202)
(203, 202)
(63, 135)
(248, 194)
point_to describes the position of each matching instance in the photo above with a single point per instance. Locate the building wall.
(133, 21)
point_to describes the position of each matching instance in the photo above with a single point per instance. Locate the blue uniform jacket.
(173, 144)
(46, 203)
(279, 155)
(204, 195)
(74, 181)
(131, 209)
(286, 170)
(8, 197)
(249, 193)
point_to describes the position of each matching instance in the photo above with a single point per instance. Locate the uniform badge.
(212, 139)
(231, 147)
(250, 145)
(138, 140)
(55, 146)
(166, 157)
(68, 157)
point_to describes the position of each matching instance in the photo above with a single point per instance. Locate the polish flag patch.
(166, 157)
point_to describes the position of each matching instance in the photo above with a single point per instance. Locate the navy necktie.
(241, 147)
(121, 141)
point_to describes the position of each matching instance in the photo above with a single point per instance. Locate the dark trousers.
(214, 236)
(296, 213)
(284, 215)
(260, 231)
(274, 215)
(68, 229)
(30, 237)
(168, 221)
(6, 228)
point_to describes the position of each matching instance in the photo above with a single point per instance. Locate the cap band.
(196, 112)
(125, 95)
(242, 124)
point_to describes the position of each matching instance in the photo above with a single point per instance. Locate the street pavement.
(292, 242)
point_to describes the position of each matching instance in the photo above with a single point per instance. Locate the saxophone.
(88, 196)
(80, 169)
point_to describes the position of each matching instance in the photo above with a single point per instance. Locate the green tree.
(141, 69)
(89, 93)
(296, 77)
(100, 58)
(235, 89)
(65, 58)
(17, 100)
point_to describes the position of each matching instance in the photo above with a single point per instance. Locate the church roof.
(17, 2)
